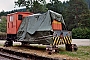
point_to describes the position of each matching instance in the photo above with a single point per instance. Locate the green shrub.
(81, 33)
(2, 35)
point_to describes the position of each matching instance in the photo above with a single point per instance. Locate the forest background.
(76, 14)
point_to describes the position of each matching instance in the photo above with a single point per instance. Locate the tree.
(88, 2)
(3, 25)
(38, 8)
(55, 5)
(73, 13)
(34, 5)
(2, 13)
(85, 20)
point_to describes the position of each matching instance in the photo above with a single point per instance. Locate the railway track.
(13, 55)
(10, 56)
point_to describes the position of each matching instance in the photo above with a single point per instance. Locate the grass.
(83, 53)
(1, 44)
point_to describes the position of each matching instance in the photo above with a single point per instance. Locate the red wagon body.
(14, 21)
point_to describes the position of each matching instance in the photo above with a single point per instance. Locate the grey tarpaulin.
(36, 26)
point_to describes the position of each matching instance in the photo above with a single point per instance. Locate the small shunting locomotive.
(47, 29)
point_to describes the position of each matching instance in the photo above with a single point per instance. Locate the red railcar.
(13, 22)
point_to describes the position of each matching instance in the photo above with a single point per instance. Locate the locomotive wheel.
(71, 47)
(49, 53)
(8, 43)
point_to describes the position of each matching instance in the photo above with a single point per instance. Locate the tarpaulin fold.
(36, 24)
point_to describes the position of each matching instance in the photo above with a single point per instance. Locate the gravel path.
(79, 42)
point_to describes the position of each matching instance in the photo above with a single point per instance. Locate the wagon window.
(20, 17)
(11, 18)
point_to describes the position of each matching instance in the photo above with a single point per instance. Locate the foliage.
(83, 33)
(35, 5)
(83, 53)
(2, 35)
(3, 13)
(73, 13)
(85, 22)
(38, 8)
(56, 6)
(3, 25)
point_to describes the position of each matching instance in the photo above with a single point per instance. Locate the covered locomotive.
(28, 28)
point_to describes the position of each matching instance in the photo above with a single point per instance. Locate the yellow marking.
(70, 41)
(63, 42)
(59, 42)
(55, 40)
(66, 40)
